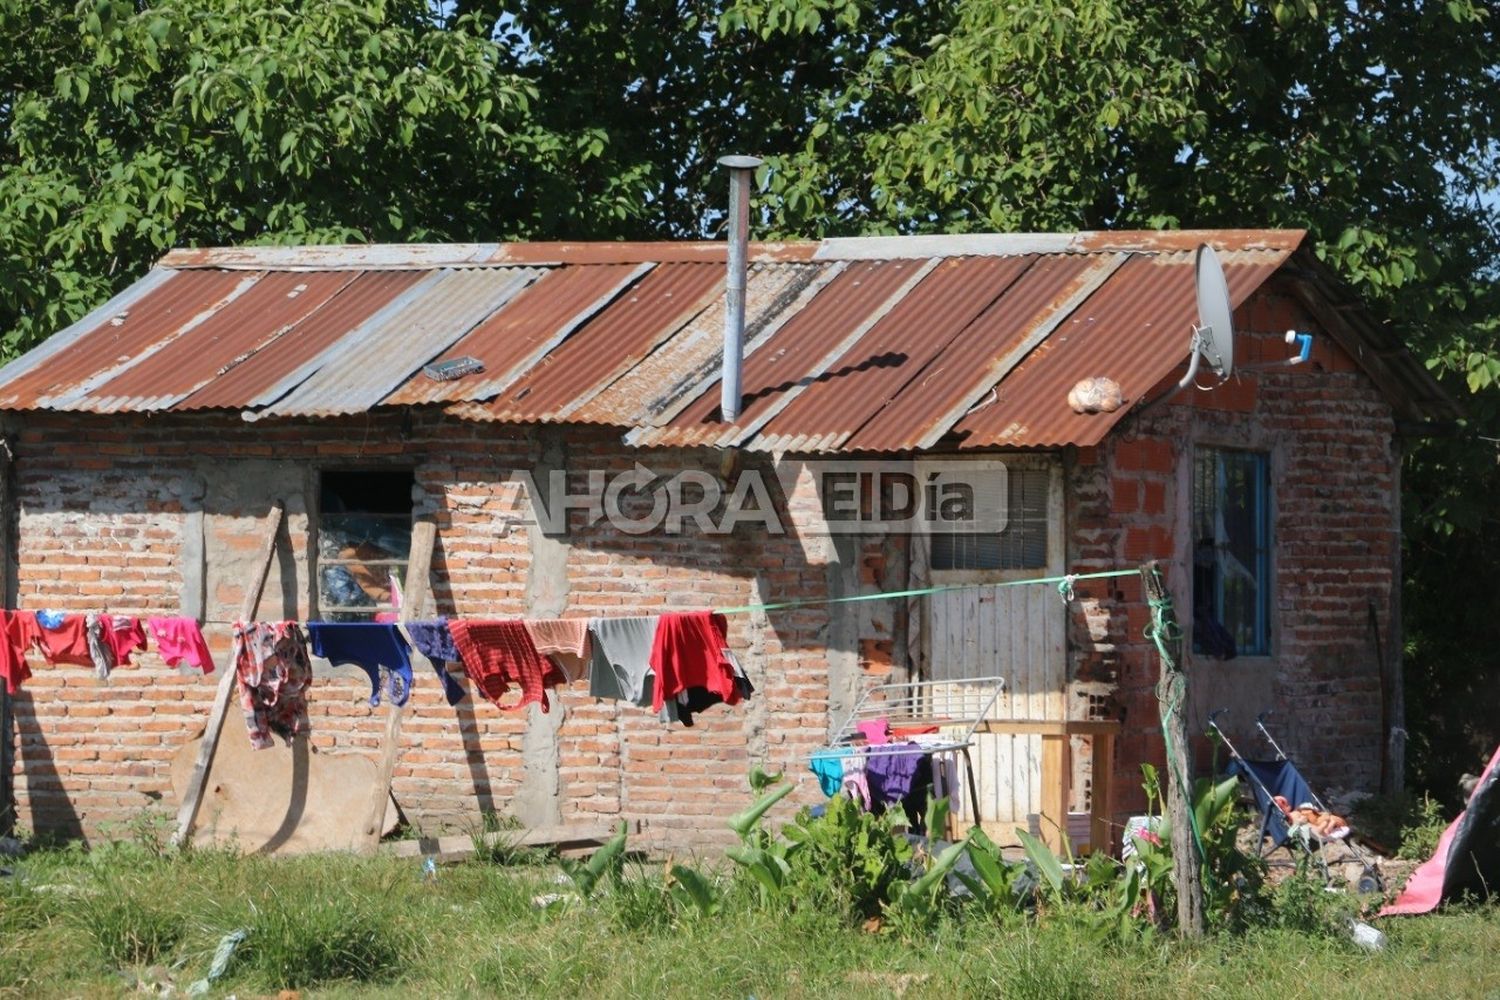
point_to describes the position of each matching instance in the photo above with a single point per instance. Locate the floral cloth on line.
(273, 671)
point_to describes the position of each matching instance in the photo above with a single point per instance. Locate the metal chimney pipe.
(740, 169)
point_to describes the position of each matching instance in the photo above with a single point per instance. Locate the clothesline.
(1064, 583)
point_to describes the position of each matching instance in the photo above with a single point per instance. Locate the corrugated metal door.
(1014, 632)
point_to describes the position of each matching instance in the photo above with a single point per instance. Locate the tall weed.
(308, 938)
(124, 926)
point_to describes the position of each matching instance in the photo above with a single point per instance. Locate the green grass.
(337, 926)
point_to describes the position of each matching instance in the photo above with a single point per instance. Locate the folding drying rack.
(960, 706)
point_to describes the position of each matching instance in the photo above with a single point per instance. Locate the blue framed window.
(1232, 592)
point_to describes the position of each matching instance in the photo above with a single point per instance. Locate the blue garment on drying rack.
(368, 646)
(434, 641)
(828, 765)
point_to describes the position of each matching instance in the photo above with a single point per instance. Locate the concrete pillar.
(539, 798)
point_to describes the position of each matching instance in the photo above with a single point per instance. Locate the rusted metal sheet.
(158, 378)
(687, 363)
(611, 343)
(985, 350)
(875, 371)
(244, 380)
(1030, 244)
(67, 338)
(1282, 241)
(797, 353)
(509, 342)
(1135, 330)
(98, 354)
(881, 345)
(359, 371)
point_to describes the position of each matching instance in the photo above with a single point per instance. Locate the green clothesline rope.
(1064, 586)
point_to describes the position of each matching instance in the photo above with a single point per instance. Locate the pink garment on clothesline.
(180, 640)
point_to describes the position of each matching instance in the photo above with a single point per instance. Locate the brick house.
(146, 442)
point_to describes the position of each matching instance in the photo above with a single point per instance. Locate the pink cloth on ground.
(1424, 890)
(179, 641)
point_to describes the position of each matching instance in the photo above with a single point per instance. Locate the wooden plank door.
(1015, 632)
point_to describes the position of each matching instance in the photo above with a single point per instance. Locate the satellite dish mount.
(1213, 336)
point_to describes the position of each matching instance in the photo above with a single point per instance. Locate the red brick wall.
(1335, 546)
(101, 527)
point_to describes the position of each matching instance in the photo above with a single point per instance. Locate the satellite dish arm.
(1192, 371)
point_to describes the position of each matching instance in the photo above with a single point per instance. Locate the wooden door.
(1017, 632)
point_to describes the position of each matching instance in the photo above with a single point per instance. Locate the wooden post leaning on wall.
(413, 596)
(1171, 697)
(187, 812)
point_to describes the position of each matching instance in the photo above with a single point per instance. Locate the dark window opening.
(364, 540)
(1022, 544)
(1231, 553)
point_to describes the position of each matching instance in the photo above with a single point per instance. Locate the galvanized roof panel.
(983, 352)
(873, 373)
(777, 369)
(887, 344)
(359, 371)
(513, 339)
(687, 363)
(12, 396)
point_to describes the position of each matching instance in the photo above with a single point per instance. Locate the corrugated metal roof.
(358, 371)
(255, 378)
(1130, 329)
(885, 344)
(610, 344)
(511, 340)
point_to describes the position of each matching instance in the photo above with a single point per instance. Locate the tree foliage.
(129, 129)
(131, 126)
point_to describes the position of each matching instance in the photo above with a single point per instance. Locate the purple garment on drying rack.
(891, 770)
(434, 641)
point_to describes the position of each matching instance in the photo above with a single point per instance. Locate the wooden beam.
(1049, 727)
(1099, 792)
(1172, 699)
(187, 812)
(413, 596)
(1055, 792)
(445, 850)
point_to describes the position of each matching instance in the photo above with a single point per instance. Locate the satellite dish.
(1213, 337)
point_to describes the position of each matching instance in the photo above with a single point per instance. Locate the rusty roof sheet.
(261, 376)
(879, 344)
(610, 343)
(513, 339)
(363, 368)
(1130, 330)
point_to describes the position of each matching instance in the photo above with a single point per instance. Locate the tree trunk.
(1171, 695)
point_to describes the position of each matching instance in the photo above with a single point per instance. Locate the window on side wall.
(1231, 553)
(364, 539)
(1022, 544)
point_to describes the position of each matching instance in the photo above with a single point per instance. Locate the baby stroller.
(1289, 808)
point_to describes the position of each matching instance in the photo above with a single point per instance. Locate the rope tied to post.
(1163, 631)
